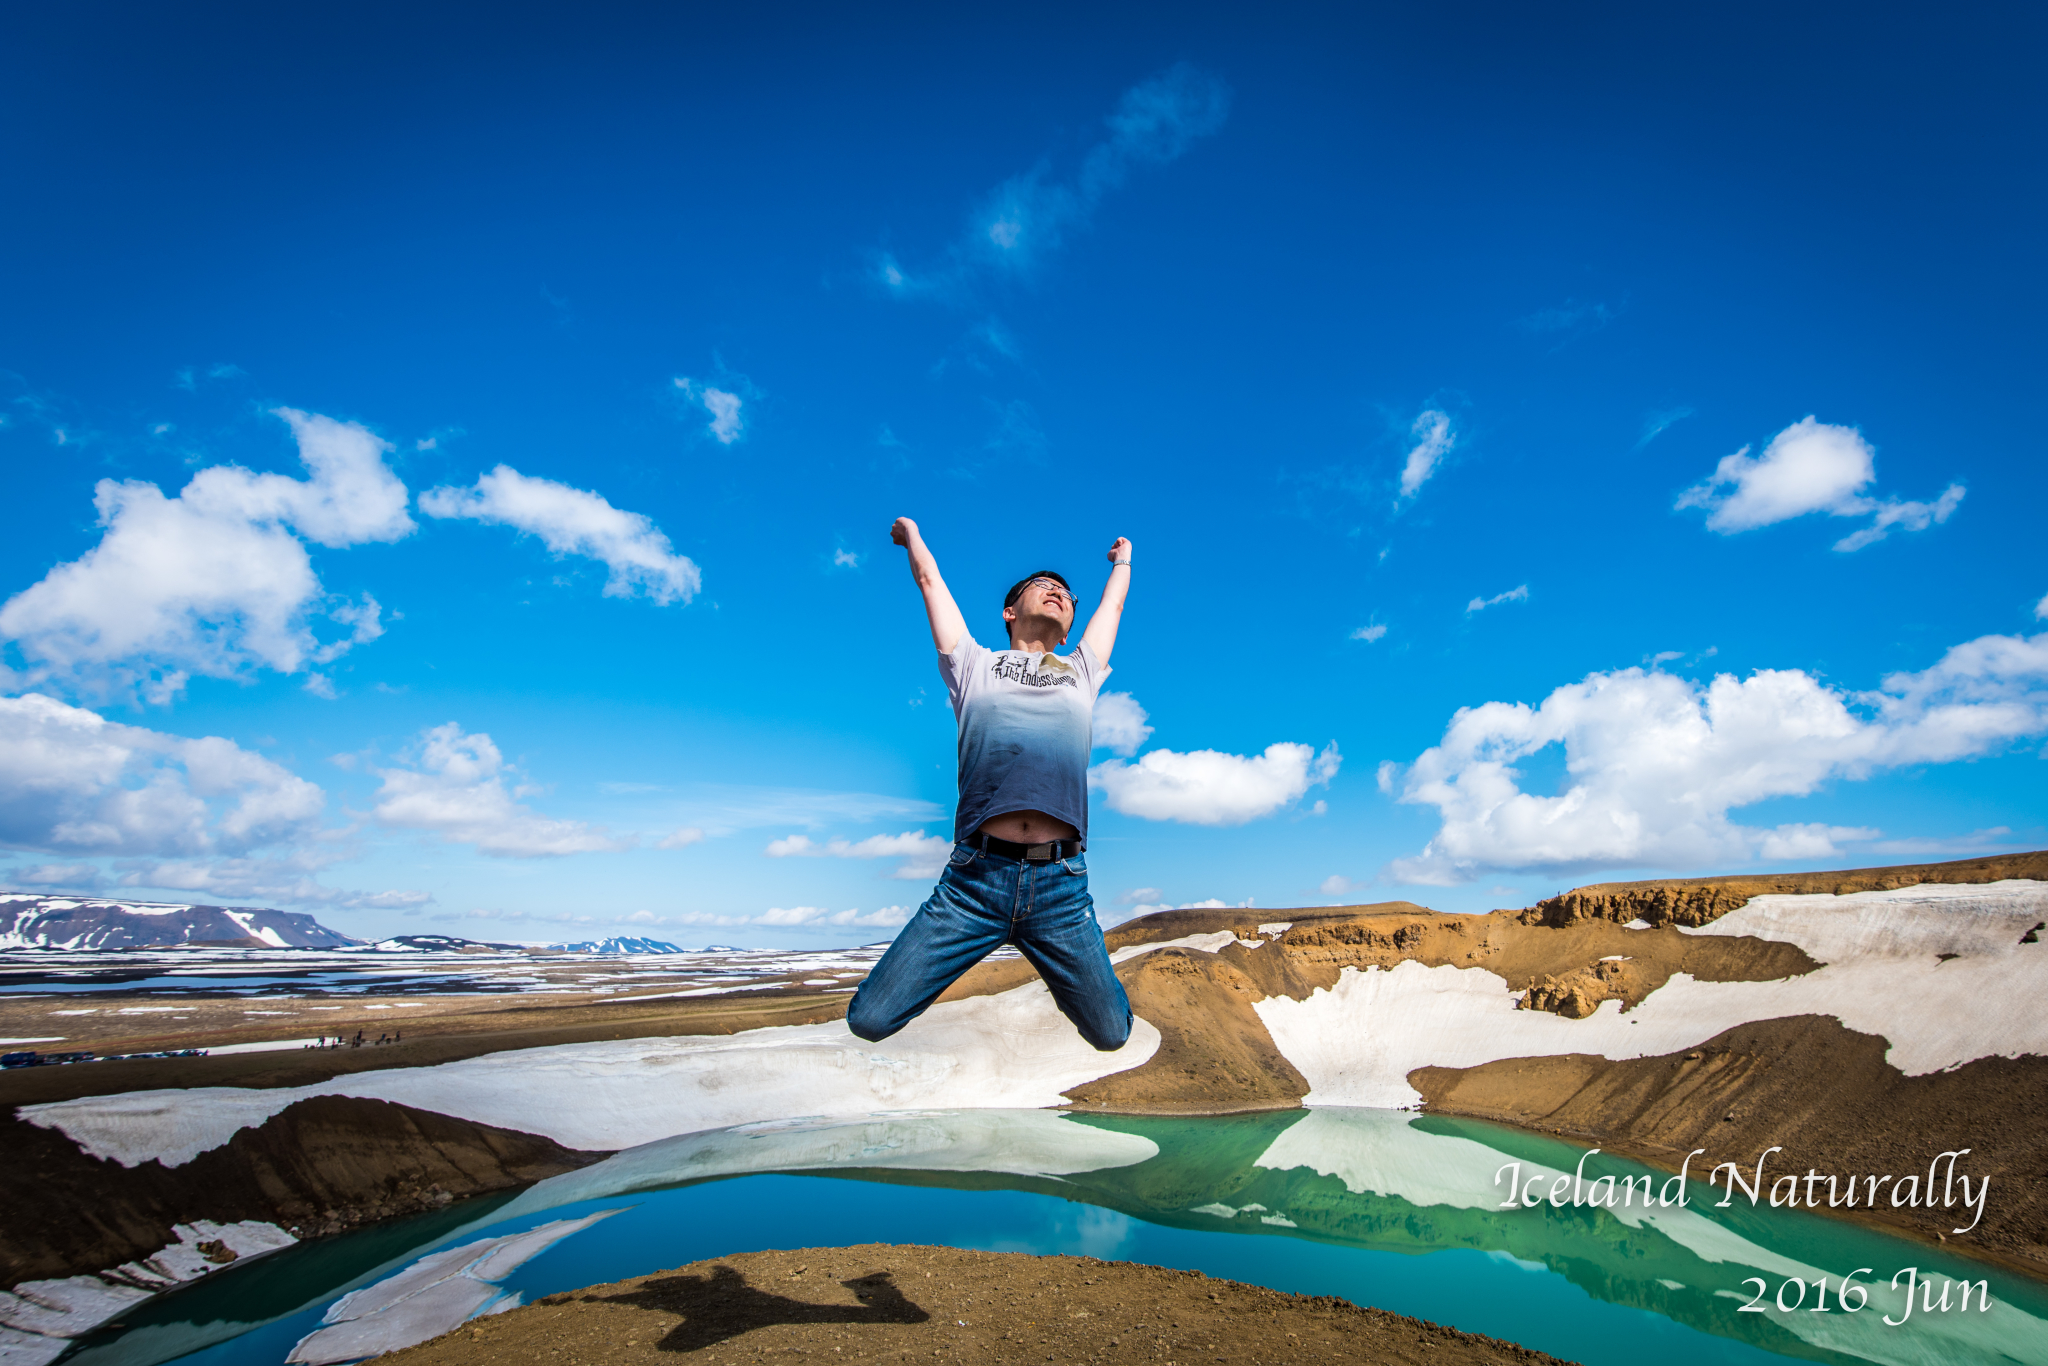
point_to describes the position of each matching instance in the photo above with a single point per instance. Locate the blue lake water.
(1383, 1208)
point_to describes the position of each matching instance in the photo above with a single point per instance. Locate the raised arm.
(1100, 637)
(947, 623)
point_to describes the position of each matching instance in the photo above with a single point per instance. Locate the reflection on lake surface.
(1387, 1209)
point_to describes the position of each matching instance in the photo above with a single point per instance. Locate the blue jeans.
(982, 902)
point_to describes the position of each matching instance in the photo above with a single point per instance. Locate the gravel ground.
(879, 1302)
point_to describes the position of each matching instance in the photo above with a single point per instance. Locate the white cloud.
(924, 856)
(680, 839)
(1120, 723)
(1136, 894)
(845, 559)
(1030, 214)
(574, 522)
(1655, 762)
(2041, 609)
(1336, 884)
(72, 782)
(1208, 787)
(216, 580)
(1810, 467)
(1369, 633)
(1910, 515)
(1434, 440)
(1206, 904)
(458, 792)
(887, 916)
(173, 813)
(286, 878)
(1520, 594)
(724, 407)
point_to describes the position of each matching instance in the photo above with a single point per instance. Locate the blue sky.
(495, 418)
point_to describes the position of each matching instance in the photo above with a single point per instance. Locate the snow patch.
(1357, 1042)
(1013, 1050)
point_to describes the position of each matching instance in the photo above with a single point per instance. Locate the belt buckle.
(1041, 853)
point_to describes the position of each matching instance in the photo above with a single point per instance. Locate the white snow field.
(1013, 1050)
(1885, 973)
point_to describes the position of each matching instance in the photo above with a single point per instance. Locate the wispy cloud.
(1810, 467)
(1434, 439)
(1032, 213)
(1568, 320)
(572, 521)
(457, 791)
(1369, 633)
(1516, 594)
(923, 855)
(1655, 421)
(887, 917)
(726, 424)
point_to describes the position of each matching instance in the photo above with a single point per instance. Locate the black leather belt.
(1027, 853)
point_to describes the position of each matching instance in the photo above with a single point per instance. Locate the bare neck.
(1037, 635)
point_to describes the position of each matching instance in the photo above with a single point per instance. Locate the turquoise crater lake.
(1385, 1208)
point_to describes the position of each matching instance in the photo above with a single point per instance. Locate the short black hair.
(1017, 588)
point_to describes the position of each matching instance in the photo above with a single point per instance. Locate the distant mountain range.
(29, 921)
(629, 944)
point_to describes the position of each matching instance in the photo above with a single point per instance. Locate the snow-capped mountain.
(28, 921)
(440, 943)
(626, 944)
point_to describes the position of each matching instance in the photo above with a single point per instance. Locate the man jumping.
(1017, 874)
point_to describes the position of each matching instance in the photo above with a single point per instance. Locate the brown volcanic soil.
(879, 1302)
(482, 1020)
(1214, 1056)
(447, 1029)
(1824, 1092)
(318, 1167)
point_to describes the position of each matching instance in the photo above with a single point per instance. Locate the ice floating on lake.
(431, 1296)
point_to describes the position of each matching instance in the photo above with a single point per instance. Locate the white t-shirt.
(1025, 731)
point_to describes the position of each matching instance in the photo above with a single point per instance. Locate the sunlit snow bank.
(1013, 1050)
(1938, 971)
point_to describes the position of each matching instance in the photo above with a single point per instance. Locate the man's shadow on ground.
(723, 1306)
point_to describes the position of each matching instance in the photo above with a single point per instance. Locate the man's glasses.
(1052, 587)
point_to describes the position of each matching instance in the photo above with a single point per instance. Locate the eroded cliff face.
(321, 1166)
(1823, 1094)
(1702, 900)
